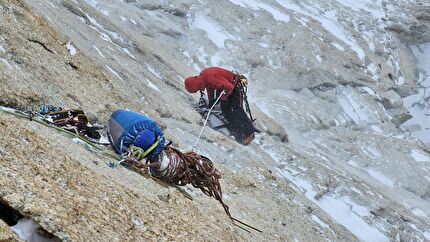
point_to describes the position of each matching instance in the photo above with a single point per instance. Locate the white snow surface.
(420, 156)
(329, 22)
(153, 71)
(26, 229)
(372, 6)
(418, 104)
(114, 72)
(343, 210)
(98, 51)
(214, 31)
(71, 48)
(6, 63)
(259, 5)
(152, 85)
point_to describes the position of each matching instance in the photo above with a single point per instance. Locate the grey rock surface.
(6, 233)
(323, 75)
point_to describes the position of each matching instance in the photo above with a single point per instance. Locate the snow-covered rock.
(324, 72)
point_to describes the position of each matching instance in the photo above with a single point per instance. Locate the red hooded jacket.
(211, 79)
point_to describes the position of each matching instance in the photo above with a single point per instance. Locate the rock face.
(391, 100)
(325, 76)
(6, 234)
(71, 193)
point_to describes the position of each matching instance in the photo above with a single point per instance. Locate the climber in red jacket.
(215, 80)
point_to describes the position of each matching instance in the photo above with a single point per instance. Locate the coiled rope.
(177, 168)
(182, 168)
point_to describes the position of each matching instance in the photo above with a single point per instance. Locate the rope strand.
(206, 120)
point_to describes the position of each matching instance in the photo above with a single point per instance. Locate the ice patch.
(342, 210)
(291, 5)
(356, 190)
(357, 108)
(2, 49)
(258, 5)
(381, 177)
(104, 36)
(52, 5)
(318, 58)
(353, 109)
(48, 18)
(7, 109)
(27, 230)
(215, 32)
(79, 141)
(216, 60)
(370, 91)
(123, 18)
(353, 163)
(338, 46)
(114, 72)
(372, 152)
(376, 128)
(71, 48)
(7, 63)
(92, 3)
(372, 68)
(128, 53)
(419, 156)
(319, 221)
(152, 85)
(95, 5)
(427, 235)
(419, 212)
(153, 71)
(371, 6)
(104, 11)
(264, 45)
(98, 51)
(419, 104)
(401, 80)
(329, 22)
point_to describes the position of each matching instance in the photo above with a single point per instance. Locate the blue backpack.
(125, 126)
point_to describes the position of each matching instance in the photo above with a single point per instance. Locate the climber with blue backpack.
(134, 130)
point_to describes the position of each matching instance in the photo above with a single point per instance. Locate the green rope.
(136, 152)
(139, 153)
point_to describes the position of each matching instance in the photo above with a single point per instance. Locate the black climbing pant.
(238, 121)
